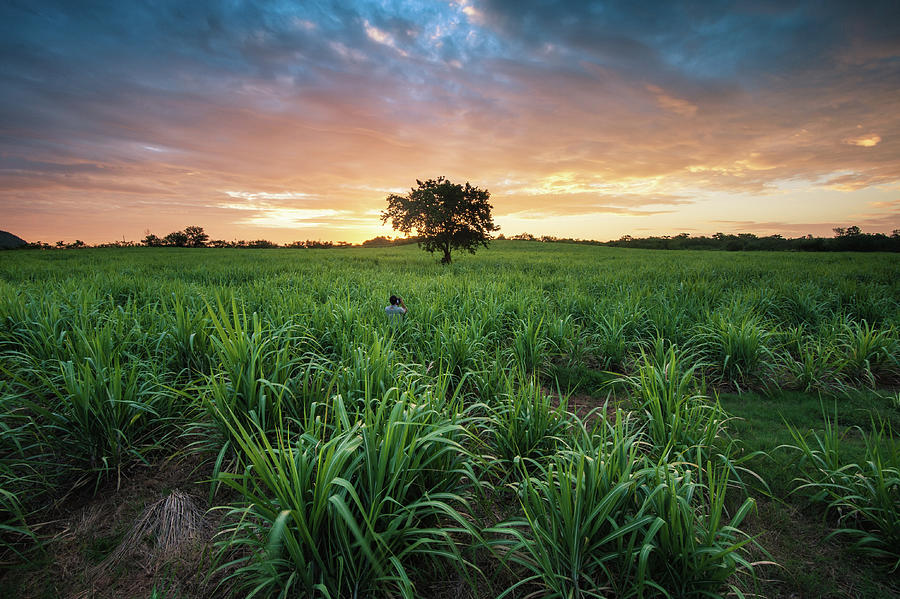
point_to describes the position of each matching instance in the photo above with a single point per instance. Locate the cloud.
(582, 211)
(283, 218)
(262, 195)
(290, 211)
(865, 141)
(573, 108)
(676, 105)
(268, 215)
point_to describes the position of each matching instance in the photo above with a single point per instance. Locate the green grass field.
(549, 420)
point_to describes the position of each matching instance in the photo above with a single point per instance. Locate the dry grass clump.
(161, 529)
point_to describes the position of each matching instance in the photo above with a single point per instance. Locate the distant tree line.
(190, 237)
(195, 237)
(846, 239)
(849, 239)
(62, 245)
(382, 241)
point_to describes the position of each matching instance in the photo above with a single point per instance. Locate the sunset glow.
(294, 120)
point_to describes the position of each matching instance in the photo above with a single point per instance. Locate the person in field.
(397, 309)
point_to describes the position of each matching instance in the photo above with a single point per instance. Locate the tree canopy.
(445, 216)
(196, 237)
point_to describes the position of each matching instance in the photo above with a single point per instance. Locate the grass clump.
(522, 424)
(868, 354)
(862, 496)
(603, 519)
(736, 348)
(351, 508)
(678, 415)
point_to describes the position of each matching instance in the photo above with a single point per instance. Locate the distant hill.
(8, 241)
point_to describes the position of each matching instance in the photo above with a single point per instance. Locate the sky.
(295, 120)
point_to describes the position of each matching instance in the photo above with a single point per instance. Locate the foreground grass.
(793, 529)
(763, 424)
(346, 455)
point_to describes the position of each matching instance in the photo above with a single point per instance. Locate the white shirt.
(392, 309)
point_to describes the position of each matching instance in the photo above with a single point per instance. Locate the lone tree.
(444, 216)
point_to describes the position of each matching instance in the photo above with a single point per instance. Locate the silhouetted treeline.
(75, 245)
(846, 239)
(849, 239)
(190, 237)
(194, 236)
(382, 241)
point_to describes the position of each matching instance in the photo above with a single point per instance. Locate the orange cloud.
(672, 104)
(866, 141)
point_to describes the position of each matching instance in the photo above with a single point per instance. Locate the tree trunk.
(446, 258)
